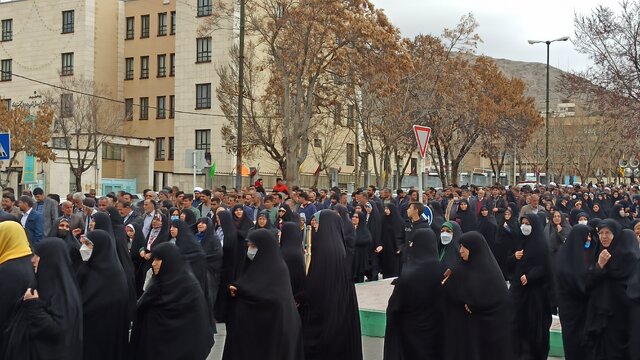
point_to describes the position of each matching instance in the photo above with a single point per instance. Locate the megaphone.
(623, 163)
(634, 163)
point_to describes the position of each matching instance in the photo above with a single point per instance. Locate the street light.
(546, 125)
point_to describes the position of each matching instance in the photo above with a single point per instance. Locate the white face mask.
(623, 213)
(251, 253)
(583, 222)
(526, 229)
(445, 238)
(85, 252)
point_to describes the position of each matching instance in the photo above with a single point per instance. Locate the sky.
(504, 25)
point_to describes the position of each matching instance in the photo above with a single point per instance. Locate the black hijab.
(468, 218)
(266, 322)
(172, 309)
(192, 252)
(537, 254)
(477, 282)
(105, 300)
(293, 255)
(348, 231)
(243, 224)
(438, 216)
(414, 310)
(229, 263)
(329, 307)
(573, 261)
(59, 301)
(189, 218)
(624, 222)
(449, 254)
(268, 226)
(488, 227)
(122, 249)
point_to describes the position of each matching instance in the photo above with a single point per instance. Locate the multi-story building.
(48, 42)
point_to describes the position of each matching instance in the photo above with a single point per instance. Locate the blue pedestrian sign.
(427, 215)
(5, 146)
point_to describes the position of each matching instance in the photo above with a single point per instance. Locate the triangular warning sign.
(422, 137)
(3, 153)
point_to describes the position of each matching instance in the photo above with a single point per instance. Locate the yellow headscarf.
(13, 241)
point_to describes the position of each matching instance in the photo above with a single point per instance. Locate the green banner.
(29, 170)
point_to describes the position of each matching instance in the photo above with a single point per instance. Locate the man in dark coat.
(31, 220)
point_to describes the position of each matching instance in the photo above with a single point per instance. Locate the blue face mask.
(587, 244)
(175, 217)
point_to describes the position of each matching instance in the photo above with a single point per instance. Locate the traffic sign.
(422, 137)
(427, 215)
(5, 146)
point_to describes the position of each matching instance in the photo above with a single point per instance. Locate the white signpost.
(422, 137)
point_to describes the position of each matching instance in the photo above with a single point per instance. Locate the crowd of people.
(114, 277)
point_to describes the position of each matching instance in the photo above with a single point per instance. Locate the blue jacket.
(308, 212)
(34, 227)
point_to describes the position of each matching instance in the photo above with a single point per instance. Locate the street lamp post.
(546, 122)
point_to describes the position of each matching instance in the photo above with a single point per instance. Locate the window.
(144, 67)
(350, 116)
(128, 109)
(162, 65)
(67, 64)
(7, 30)
(161, 107)
(414, 167)
(131, 22)
(204, 49)
(203, 96)
(128, 69)
(172, 106)
(60, 143)
(203, 140)
(144, 108)
(204, 7)
(172, 63)
(6, 70)
(173, 23)
(6, 103)
(159, 149)
(67, 21)
(172, 147)
(317, 143)
(112, 152)
(337, 114)
(144, 28)
(350, 155)
(66, 105)
(162, 24)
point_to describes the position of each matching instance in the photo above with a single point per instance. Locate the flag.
(212, 171)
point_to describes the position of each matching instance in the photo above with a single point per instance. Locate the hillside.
(534, 75)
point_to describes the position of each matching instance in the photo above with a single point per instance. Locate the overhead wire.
(59, 87)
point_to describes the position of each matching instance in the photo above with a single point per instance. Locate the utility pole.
(240, 98)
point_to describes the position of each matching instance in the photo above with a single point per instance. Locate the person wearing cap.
(196, 197)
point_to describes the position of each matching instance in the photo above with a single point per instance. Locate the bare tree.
(85, 119)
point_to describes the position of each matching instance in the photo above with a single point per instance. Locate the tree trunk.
(78, 181)
(293, 168)
(455, 164)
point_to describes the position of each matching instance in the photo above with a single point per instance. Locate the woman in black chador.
(529, 291)
(361, 258)
(392, 240)
(51, 322)
(193, 254)
(212, 248)
(293, 256)
(349, 233)
(329, 308)
(141, 248)
(414, 312)
(266, 322)
(228, 234)
(105, 301)
(488, 227)
(610, 314)
(476, 315)
(572, 262)
(172, 317)
(466, 216)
